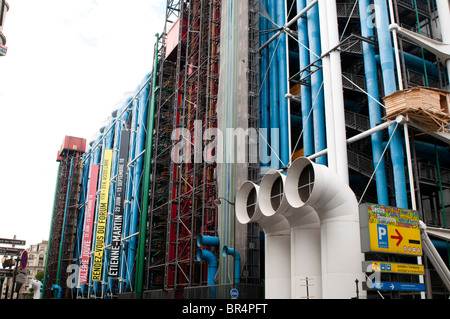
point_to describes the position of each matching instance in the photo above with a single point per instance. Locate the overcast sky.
(68, 63)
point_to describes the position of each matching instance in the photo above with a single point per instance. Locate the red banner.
(88, 223)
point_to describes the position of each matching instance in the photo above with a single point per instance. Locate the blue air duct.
(237, 262)
(139, 163)
(317, 95)
(308, 146)
(387, 68)
(59, 291)
(280, 19)
(203, 240)
(206, 255)
(274, 94)
(264, 94)
(370, 67)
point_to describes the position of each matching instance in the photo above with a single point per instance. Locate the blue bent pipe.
(59, 291)
(308, 146)
(206, 255)
(387, 68)
(317, 95)
(203, 240)
(370, 67)
(237, 262)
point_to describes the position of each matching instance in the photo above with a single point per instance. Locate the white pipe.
(327, 87)
(443, 9)
(277, 241)
(305, 236)
(316, 185)
(331, 22)
(396, 51)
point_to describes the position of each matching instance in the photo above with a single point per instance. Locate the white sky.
(68, 63)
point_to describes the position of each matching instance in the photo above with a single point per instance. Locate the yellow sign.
(395, 268)
(392, 230)
(102, 216)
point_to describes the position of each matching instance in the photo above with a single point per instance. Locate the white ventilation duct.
(305, 236)
(316, 185)
(277, 241)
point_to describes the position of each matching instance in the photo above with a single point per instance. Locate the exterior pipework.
(146, 178)
(387, 67)
(371, 74)
(308, 145)
(210, 258)
(237, 262)
(274, 95)
(326, 192)
(277, 241)
(304, 233)
(128, 196)
(136, 197)
(281, 51)
(264, 94)
(317, 94)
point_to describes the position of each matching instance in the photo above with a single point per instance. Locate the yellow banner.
(102, 216)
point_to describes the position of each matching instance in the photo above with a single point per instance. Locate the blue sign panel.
(400, 286)
(382, 234)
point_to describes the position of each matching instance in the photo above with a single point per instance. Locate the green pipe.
(58, 269)
(423, 54)
(146, 181)
(50, 232)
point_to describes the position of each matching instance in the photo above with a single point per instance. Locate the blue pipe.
(237, 262)
(206, 255)
(264, 94)
(308, 146)
(274, 95)
(387, 67)
(280, 20)
(416, 64)
(128, 196)
(59, 291)
(140, 145)
(317, 95)
(203, 240)
(370, 67)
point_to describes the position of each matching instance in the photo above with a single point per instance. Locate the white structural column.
(334, 97)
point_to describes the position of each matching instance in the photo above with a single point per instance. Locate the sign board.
(12, 241)
(397, 286)
(388, 229)
(6, 272)
(234, 293)
(387, 267)
(88, 224)
(24, 259)
(116, 240)
(102, 216)
(6, 251)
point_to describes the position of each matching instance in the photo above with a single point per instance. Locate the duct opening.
(276, 193)
(251, 203)
(306, 183)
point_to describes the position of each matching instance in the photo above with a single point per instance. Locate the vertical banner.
(102, 216)
(114, 260)
(88, 221)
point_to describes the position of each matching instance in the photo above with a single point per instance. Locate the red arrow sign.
(399, 237)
